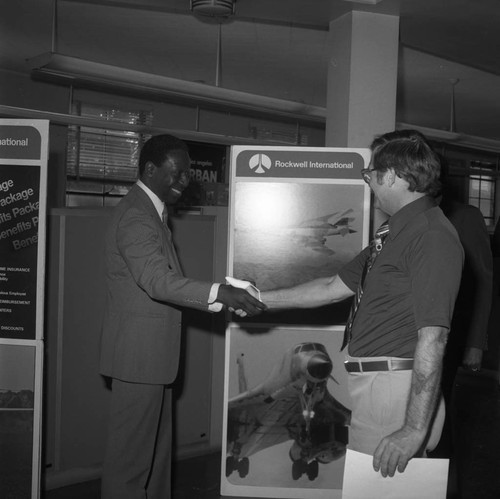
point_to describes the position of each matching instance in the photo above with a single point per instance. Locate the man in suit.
(141, 332)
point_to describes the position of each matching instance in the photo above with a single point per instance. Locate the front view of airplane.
(292, 403)
(313, 362)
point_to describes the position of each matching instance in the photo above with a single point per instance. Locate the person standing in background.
(470, 319)
(494, 318)
(141, 331)
(469, 337)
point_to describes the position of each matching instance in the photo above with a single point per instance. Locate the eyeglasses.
(366, 174)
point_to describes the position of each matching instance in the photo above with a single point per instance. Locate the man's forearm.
(316, 293)
(426, 379)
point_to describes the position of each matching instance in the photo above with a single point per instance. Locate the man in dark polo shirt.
(404, 286)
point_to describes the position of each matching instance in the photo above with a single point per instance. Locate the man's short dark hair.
(157, 148)
(410, 155)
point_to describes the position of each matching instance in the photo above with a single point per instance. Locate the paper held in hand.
(423, 478)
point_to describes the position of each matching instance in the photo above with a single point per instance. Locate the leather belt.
(357, 366)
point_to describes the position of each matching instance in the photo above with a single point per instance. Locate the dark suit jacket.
(145, 292)
(472, 308)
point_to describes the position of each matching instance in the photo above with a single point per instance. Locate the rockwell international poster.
(295, 214)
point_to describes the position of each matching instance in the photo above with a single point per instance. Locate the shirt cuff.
(214, 306)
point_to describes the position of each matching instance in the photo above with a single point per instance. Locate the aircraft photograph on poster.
(286, 233)
(314, 233)
(287, 410)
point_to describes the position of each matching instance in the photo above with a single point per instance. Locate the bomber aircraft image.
(313, 233)
(292, 404)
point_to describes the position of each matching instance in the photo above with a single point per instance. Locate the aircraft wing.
(326, 221)
(317, 223)
(337, 217)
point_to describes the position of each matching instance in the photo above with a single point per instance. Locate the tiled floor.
(477, 469)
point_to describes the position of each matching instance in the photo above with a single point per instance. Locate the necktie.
(164, 219)
(375, 248)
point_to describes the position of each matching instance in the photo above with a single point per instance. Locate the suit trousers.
(379, 400)
(137, 463)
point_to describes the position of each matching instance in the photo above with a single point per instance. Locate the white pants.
(379, 400)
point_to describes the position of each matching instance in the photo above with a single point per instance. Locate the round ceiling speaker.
(216, 8)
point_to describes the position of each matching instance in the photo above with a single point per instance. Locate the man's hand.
(240, 300)
(395, 450)
(472, 358)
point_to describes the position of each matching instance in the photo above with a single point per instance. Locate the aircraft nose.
(319, 367)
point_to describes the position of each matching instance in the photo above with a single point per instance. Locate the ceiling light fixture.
(76, 72)
(213, 8)
(432, 133)
(59, 68)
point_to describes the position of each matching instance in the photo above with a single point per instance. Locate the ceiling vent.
(213, 8)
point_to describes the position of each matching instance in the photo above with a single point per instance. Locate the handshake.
(240, 297)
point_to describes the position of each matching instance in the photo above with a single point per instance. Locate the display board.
(23, 187)
(284, 434)
(295, 214)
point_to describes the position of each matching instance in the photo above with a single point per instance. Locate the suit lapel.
(149, 207)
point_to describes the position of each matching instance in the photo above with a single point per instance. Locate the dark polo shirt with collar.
(413, 283)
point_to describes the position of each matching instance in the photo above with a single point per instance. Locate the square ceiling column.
(362, 78)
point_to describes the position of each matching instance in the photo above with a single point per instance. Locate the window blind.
(104, 156)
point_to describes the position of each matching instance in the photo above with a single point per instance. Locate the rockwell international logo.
(260, 163)
(300, 162)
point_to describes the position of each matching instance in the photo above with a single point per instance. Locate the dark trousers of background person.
(449, 447)
(138, 452)
(452, 361)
